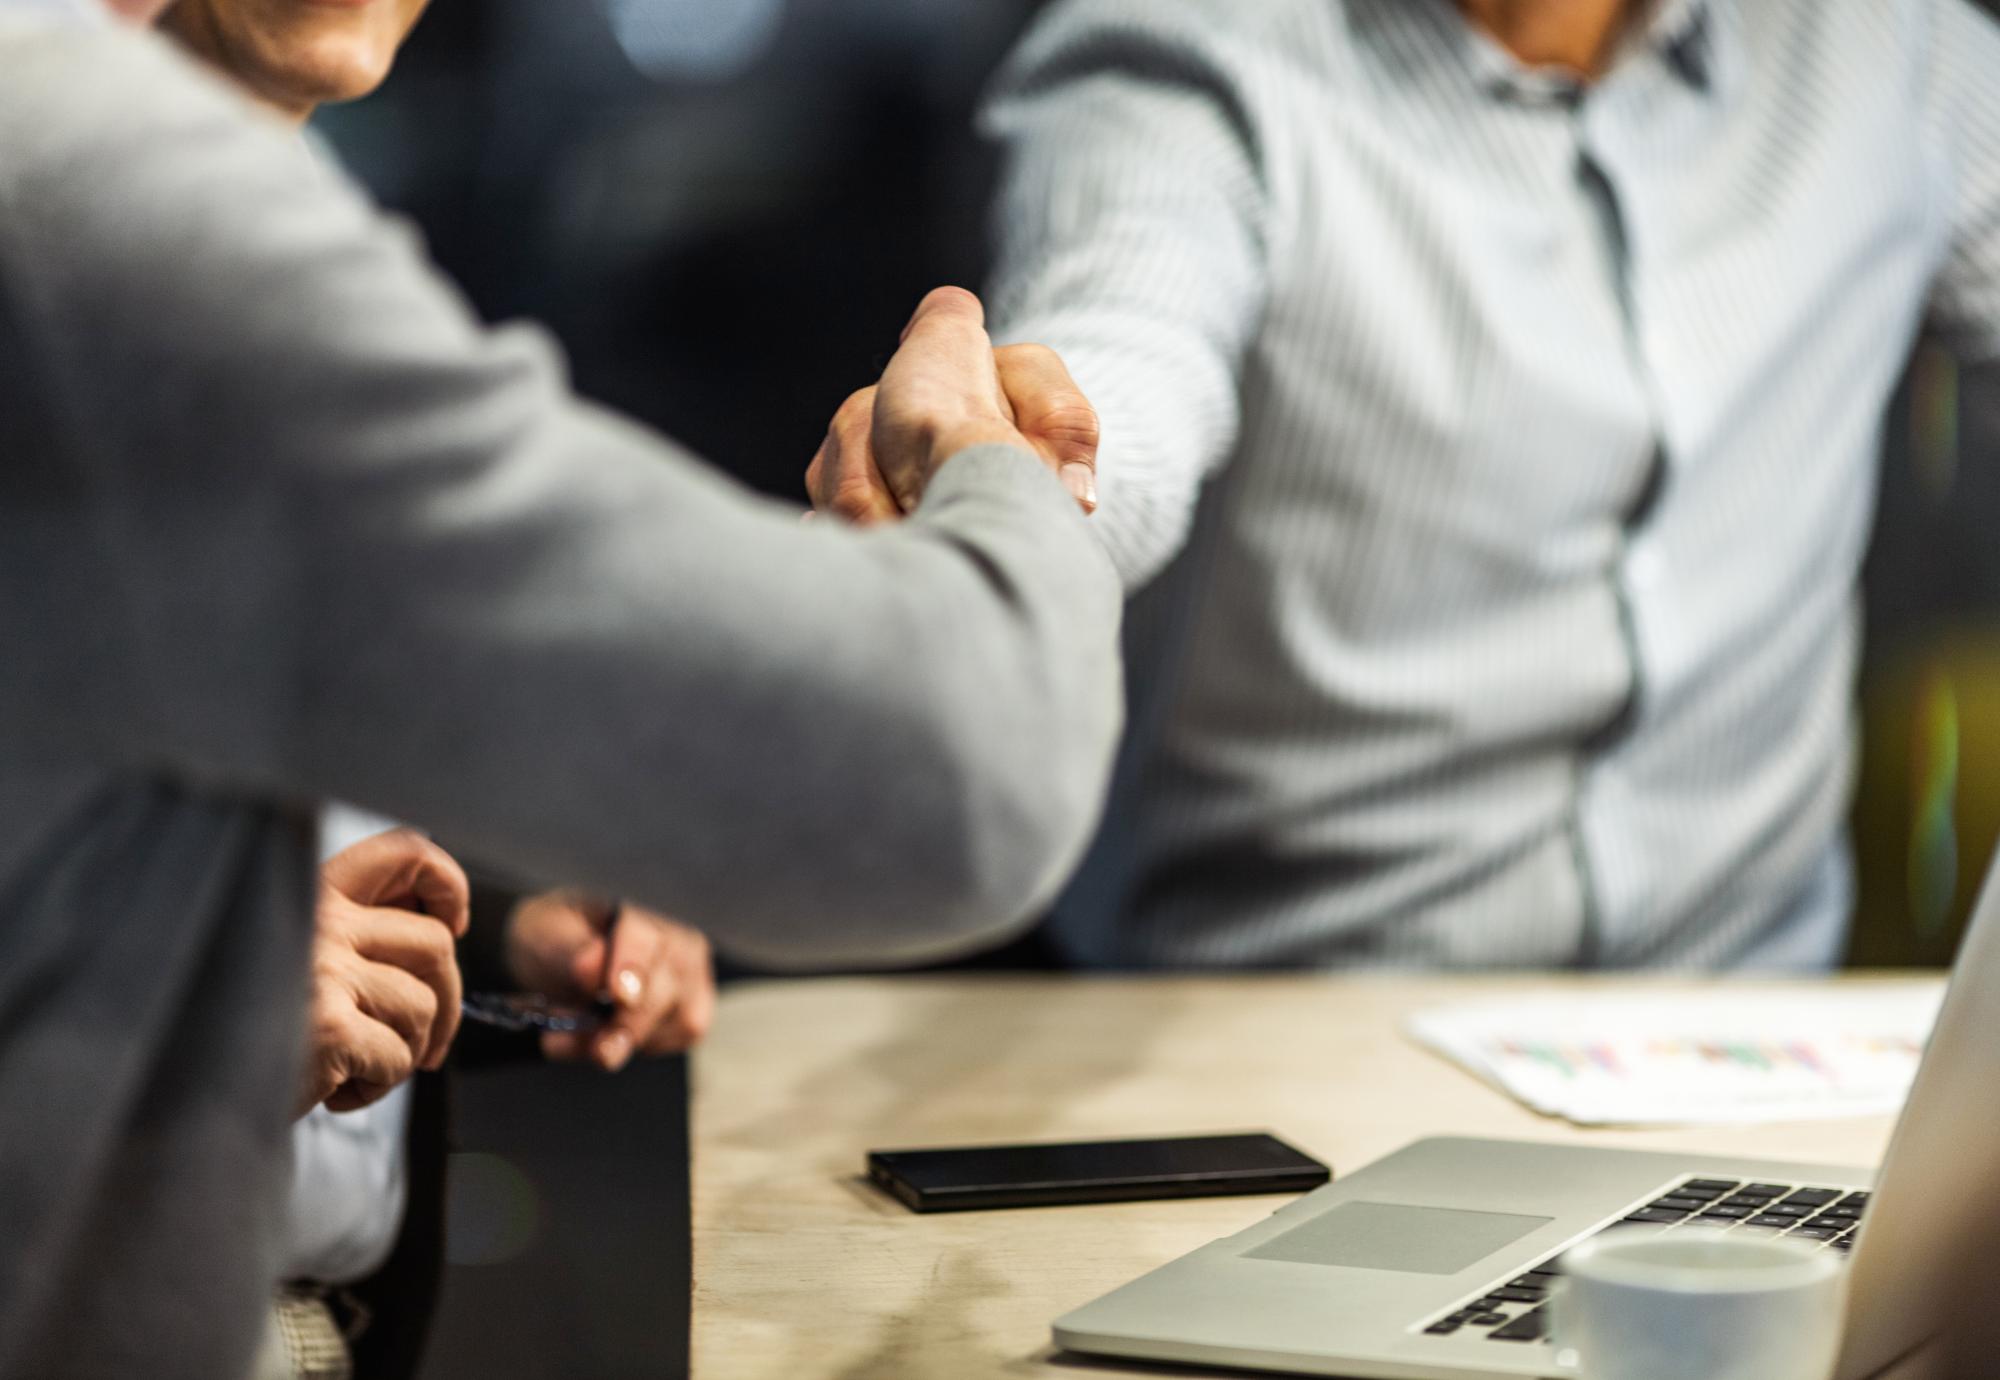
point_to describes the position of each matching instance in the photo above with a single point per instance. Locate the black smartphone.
(1098, 1171)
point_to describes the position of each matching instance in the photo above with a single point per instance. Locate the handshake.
(946, 390)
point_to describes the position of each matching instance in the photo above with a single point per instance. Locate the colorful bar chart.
(1725, 1054)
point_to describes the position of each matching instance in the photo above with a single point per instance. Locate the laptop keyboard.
(1515, 1309)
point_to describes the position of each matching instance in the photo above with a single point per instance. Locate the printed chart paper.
(1727, 1056)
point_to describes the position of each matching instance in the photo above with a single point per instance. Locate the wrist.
(963, 436)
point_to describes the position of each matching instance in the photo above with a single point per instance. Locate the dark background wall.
(727, 239)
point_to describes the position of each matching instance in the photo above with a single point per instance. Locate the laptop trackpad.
(1396, 1236)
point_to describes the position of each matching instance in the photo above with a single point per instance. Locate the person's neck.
(294, 115)
(1580, 36)
(137, 13)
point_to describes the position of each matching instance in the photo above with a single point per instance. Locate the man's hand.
(946, 390)
(385, 985)
(658, 975)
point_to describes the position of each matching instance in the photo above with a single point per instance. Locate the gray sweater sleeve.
(343, 541)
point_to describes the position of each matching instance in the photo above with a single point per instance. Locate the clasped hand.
(947, 389)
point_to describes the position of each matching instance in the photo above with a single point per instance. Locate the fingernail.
(615, 1050)
(630, 986)
(1081, 481)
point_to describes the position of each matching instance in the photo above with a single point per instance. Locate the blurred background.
(725, 209)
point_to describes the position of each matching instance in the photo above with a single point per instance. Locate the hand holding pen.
(604, 981)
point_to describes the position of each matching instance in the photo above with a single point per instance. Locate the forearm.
(1131, 222)
(1169, 414)
(966, 804)
(698, 712)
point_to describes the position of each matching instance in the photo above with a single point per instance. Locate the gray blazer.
(279, 520)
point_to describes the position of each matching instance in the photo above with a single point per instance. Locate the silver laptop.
(1436, 1262)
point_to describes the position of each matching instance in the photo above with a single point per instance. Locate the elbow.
(983, 839)
(1028, 805)
(1029, 828)
(1034, 741)
(1004, 739)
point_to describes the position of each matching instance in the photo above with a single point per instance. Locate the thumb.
(1053, 415)
(946, 303)
(946, 341)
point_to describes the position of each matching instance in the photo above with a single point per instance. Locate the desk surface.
(802, 1269)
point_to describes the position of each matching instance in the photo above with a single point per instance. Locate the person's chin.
(336, 69)
(290, 54)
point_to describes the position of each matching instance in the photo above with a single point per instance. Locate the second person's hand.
(658, 975)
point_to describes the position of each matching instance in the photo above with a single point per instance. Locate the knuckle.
(857, 486)
(334, 917)
(414, 1036)
(853, 440)
(337, 1027)
(1069, 418)
(434, 943)
(335, 980)
(404, 839)
(858, 407)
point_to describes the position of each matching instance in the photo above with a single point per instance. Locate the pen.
(532, 1011)
(610, 949)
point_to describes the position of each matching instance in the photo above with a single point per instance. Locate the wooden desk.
(801, 1269)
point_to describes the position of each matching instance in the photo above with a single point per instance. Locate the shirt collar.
(1683, 33)
(1686, 36)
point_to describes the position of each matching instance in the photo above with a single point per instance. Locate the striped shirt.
(1491, 457)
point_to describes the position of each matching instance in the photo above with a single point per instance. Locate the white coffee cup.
(1692, 1304)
